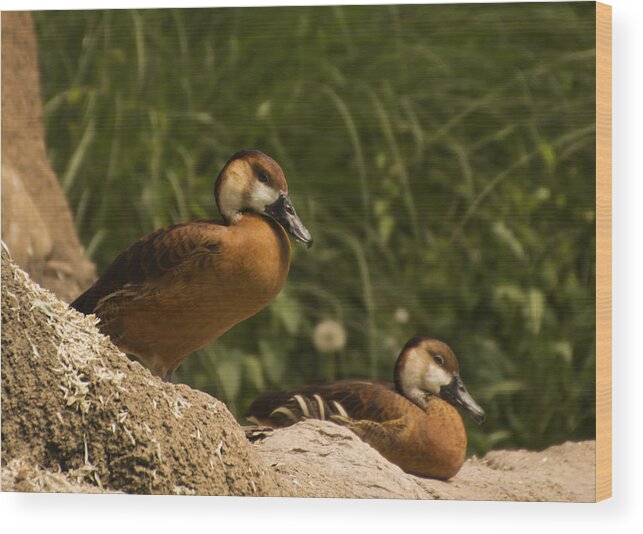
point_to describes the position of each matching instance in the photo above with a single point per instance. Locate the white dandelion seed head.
(402, 315)
(329, 336)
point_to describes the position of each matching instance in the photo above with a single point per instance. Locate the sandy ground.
(78, 416)
(321, 459)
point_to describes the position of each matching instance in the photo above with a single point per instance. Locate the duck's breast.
(254, 259)
(247, 271)
(435, 441)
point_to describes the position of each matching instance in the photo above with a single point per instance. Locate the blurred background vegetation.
(443, 158)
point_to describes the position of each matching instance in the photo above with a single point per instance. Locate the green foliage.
(441, 156)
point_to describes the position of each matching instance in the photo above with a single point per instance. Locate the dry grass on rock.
(73, 404)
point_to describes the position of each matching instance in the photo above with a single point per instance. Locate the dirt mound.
(72, 403)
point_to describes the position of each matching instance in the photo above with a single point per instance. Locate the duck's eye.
(263, 177)
(438, 359)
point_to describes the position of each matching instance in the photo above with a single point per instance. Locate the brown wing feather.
(151, 257)
(360, 399)
(364, 399)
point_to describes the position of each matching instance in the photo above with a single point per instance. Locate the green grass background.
(443, 158)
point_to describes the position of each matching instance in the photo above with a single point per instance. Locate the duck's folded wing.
(365, 399)
(152, 257)
(352, 399)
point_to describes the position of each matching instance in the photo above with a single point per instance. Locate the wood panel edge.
(603, 251)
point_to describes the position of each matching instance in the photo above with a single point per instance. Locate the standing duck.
(180, 288)
(412, 423)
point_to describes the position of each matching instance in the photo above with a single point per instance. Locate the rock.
(320, 459)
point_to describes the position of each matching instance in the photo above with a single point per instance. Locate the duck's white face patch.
(260, 196)
(435, 377)
(242, 191)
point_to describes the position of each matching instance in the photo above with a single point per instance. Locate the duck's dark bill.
(283, 211)
(456, 393)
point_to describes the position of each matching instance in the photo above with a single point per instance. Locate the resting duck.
(178, 289)
(413, 423)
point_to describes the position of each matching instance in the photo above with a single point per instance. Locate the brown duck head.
(251, 181)
(428, 367)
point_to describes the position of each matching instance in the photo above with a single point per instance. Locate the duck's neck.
(415, 395)
(231, 216)
(407, 376)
